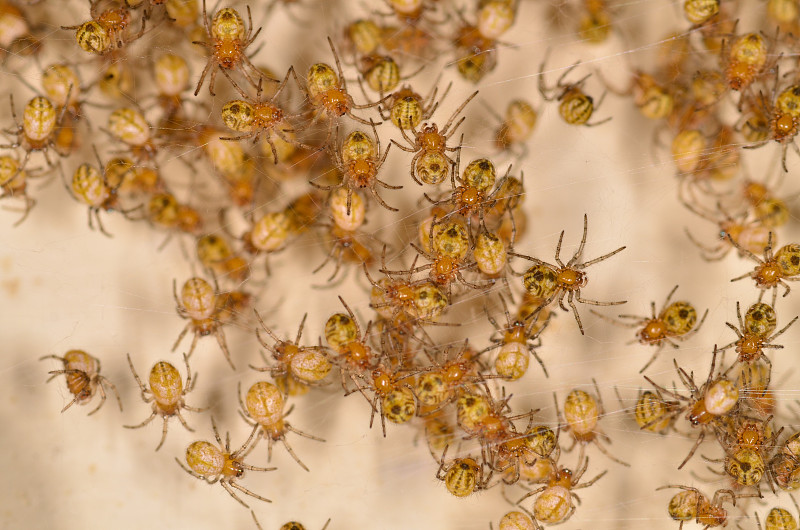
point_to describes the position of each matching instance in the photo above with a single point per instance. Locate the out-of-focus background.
(65, 286)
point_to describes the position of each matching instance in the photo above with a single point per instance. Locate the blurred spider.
(37, 131)
(575, 107)
(106, 31)
(228, 40)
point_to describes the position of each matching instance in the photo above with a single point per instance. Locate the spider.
(106, 32)
(82, 372)
(653, 413)
(575, 107)
(745, 60)
(353, 247)
(705, 406)
(359, 160)
(753, 335)
(227, 40)
(471, 194)
(774, 269)
(37, 131)
(449, 256)
(166, 394)
(14, 184)
(421, 301)
(692, 505)
(515, 127)
(198, 305)
(407, 109)
(581, 414)
(450, 380)
(327, 91)
(392, 399)
(355, 356)
(551, 282)
(784, 467)
(91, 187)
(263, 408)
(517, 341)
(220, 464)
(779, 518)
(752, 235)
(675, 322)
(783, 119)
(462, 476)
(554, 504)
(430, 163)
(307, 364)
(256, 117)
(747, 442)
(476, 55)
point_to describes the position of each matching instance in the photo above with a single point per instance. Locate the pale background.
(65, 287)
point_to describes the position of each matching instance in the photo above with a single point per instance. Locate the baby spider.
(754, 335)
(355, 356)
(91, 187)
(291, 525)
(784, 467)
(517, 520)
(692, 505)
(307, 364)
(327, 91)
(83, 378)
(554, 504)
(575, 107)
(774, 269)
(14, 184)
(359, 160)
(407, 109)
(779, 518)
(256, 117)
(783, 119)
(753, 234)
(166, 393)
(219, 464)
(37, 131)
(448, 256)
(581, 414)
(748, 443)
(106, 31)
(228, 39)
(431, 163)
(393, 400)
(198, 305)
(653, 413)
(675, 322)
(551, 282)
(706, 406)
(263, 408)
(517, 341)
(462, 476)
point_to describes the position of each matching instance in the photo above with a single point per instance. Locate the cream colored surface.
(64, 286)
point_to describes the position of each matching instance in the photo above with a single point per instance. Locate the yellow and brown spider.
(431, 163)
(228, 39)
(551, 282)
